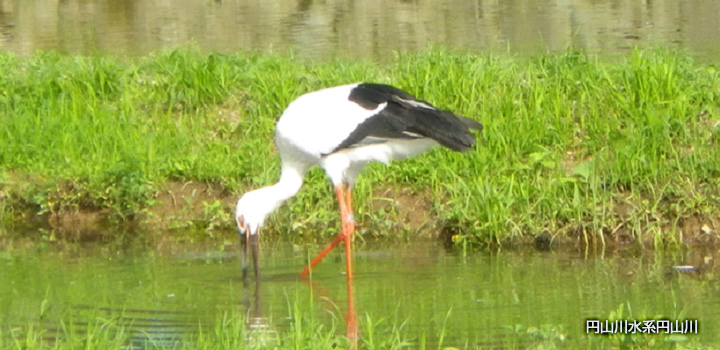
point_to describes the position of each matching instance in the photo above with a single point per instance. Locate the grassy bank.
(575, 148)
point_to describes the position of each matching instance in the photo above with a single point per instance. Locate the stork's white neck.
(254, 206)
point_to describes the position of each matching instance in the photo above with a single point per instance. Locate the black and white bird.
(341, 129)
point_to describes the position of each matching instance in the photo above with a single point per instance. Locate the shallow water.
(369, 29)
(500, 299)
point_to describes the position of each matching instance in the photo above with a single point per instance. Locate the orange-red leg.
(344, 196)
(351, 321)
(339, 238)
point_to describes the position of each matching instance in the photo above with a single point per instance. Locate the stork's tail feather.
(448, 129)
(471, 124)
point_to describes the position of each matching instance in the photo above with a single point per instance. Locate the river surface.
(370, 29)
(505, 299)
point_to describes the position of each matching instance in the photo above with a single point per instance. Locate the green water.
(436, 296)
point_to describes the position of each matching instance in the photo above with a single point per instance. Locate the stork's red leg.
(344, 196)
(348, 229)
(345, 216)
(351, 320)
(339, 238)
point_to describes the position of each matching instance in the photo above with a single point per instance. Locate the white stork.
(341, 129)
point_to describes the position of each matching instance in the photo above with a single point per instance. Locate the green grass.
(574, 146)
(230, 331)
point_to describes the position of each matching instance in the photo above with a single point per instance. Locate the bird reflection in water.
(261, 333)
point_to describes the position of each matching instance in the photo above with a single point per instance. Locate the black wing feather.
(406, 117)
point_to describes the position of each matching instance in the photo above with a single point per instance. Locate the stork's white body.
(313, 125)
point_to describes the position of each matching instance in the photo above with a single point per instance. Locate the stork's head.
(250, 213)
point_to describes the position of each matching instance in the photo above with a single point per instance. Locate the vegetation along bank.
(575, 148)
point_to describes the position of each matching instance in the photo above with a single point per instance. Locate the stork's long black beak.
(243, 251)
(254, 247)
(249, 241)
